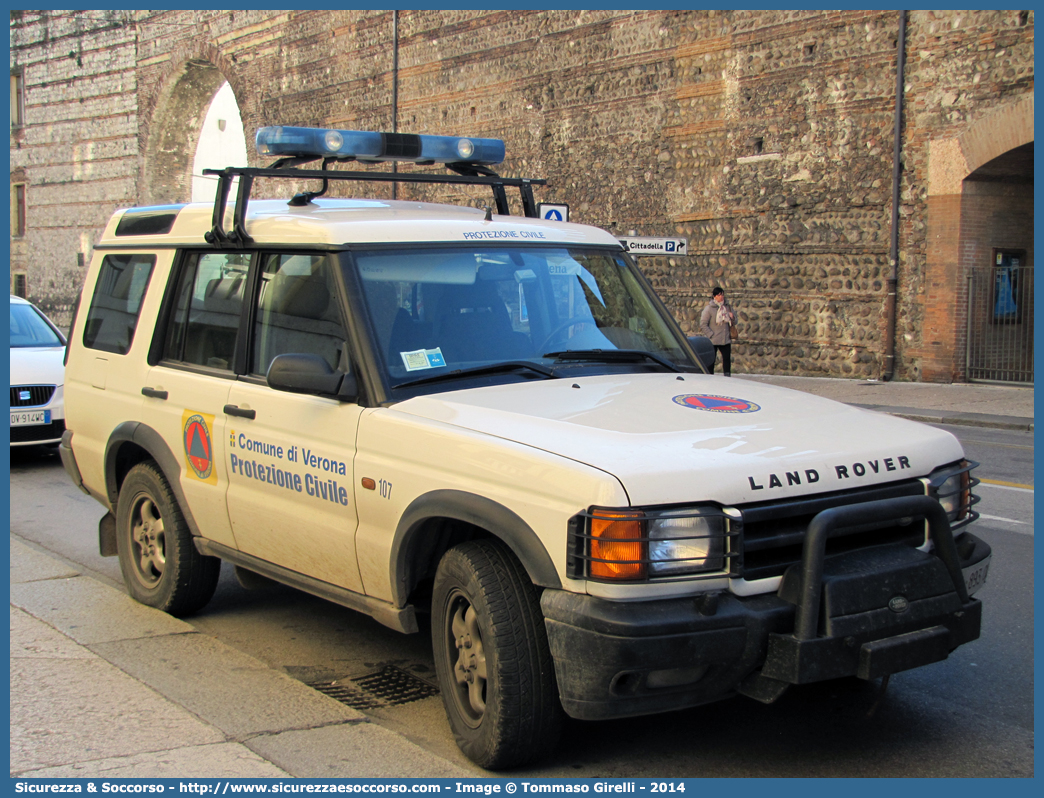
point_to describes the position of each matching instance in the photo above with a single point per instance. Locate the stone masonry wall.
(77, 150)
(765, 137)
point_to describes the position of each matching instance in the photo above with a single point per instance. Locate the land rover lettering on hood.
(492, 420)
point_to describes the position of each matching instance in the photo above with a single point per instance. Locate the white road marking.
(1005, 520)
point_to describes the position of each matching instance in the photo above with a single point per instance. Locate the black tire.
(160, 564)
(494, 666)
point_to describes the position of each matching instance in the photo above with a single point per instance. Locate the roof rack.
(466, 174)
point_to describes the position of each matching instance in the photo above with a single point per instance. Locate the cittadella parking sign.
(655, 246)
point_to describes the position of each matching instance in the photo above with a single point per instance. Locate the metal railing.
(1000, 325)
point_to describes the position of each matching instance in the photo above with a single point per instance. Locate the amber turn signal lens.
(617, 537)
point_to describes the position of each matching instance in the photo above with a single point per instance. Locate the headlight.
(951, 494)
(636, 545)
(680, 543)
(952, 487)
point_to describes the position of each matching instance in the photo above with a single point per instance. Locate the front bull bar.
(803, 657)
(828, 522)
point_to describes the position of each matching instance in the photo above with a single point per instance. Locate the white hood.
(37, 365)
(671, 438)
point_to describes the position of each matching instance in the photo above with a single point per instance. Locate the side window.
(297, 311)
(113, 314)
(207, 306)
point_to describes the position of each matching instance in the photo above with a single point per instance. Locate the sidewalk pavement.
(970, 404)
(102, 686)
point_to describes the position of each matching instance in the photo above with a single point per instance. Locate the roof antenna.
(489, 213)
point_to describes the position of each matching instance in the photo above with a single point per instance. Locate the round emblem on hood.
(898, 604)
(716, 404)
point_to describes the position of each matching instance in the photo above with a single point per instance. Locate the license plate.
(975, 575)
(27, 418)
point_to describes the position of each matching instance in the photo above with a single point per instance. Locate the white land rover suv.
(411, 408)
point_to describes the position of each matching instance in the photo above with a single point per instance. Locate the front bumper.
(39, 434)
(866, 613)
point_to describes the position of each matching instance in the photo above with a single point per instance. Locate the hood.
(677, 438)
(37, 365)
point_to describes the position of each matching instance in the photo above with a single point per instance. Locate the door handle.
(153, 393)
(236, 410)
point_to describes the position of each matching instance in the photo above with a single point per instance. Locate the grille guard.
(828, 522)
(803, 656)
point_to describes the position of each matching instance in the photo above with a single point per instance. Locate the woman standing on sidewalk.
(715, 322)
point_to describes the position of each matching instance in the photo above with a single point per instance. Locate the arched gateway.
(174, 131)
(979, 270)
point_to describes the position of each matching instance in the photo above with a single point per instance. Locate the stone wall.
(765, 137)
(77, 151)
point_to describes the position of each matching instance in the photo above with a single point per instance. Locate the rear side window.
(113, 315)
(207, 306)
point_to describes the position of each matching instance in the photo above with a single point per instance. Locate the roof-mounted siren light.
(371, 147)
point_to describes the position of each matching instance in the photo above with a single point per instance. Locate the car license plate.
(975, 575)
(26, 418)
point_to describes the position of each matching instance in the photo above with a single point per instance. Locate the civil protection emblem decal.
(713, 403)
(199, 448)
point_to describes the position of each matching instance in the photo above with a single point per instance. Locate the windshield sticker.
(716, 404)
(421, 359)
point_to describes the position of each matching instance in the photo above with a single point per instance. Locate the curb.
(1018, 423)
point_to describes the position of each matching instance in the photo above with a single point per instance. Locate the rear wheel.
(491, 654)
(160, 564)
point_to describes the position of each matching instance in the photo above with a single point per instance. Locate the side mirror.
(704, 350)
(303, 373)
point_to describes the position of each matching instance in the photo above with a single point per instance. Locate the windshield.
(438, 310)
(29, 329)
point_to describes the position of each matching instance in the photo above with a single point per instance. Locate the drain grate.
(389, 686)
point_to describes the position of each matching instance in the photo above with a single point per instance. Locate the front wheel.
(492, 657)
(160, 564)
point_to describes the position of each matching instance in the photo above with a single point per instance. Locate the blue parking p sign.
(553, 213)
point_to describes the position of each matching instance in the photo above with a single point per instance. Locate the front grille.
(38, 395)
(38, 432)
(773, 533)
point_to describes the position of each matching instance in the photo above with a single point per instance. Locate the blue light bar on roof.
(368, 147)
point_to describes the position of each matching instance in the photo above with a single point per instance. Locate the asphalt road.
(971, 715)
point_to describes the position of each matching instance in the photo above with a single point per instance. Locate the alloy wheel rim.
(148, 542)
(467, 658)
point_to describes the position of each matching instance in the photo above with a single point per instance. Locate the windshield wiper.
(611, 356)
(479, 371)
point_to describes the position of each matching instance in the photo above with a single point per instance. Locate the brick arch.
(189, 81)
(1003, 130)
(952, 248)
(951, 160)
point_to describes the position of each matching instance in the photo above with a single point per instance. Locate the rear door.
(186, 392)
